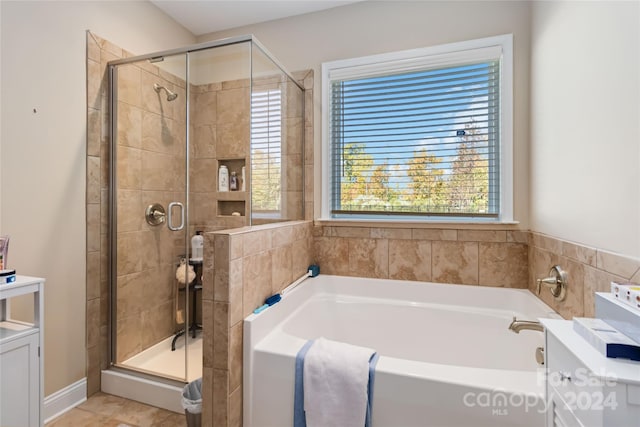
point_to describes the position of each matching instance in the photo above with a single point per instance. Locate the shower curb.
(143, 390)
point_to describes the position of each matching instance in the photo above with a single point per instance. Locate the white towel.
(335, 384)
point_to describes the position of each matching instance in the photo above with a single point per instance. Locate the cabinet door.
(19, 382)
(559, 415)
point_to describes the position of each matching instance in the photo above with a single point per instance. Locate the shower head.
(170, 95)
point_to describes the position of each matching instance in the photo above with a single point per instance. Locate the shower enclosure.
(177, 118)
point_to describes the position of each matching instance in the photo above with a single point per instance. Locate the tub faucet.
(518, 325)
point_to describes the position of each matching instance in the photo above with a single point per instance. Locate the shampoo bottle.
(223, 178)
(197, 246)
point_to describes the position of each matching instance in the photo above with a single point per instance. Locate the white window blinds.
(266, 125)
(423, 142)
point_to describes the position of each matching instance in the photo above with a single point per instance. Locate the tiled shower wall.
(149, 156)
(99, 52)
(221, 129)
(150, 169)
(142, 115)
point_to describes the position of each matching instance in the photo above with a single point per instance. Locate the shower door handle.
(170, 216)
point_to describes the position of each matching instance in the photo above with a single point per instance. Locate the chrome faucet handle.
(556, 282)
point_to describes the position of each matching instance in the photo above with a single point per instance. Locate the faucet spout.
(518, 325)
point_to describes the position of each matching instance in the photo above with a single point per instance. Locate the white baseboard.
(64, 400)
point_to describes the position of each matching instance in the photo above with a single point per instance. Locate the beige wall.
(373, 27)
(585, 123)
(44, 153)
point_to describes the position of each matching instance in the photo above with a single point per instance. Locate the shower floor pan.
(161, 360)
(158, 360)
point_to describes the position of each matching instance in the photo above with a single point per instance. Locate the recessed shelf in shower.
(230, 202)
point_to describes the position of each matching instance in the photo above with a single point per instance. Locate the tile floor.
(105, 410)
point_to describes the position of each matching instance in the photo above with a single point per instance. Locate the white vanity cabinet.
(583, 387)
(21, 356)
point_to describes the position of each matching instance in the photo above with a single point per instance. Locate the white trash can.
(192, 402)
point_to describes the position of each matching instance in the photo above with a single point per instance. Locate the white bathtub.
(446, 355)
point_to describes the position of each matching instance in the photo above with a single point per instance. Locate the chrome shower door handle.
(170, 216)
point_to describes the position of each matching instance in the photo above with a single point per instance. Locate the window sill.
(439, 224)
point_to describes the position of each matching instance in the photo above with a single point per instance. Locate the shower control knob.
(155, 214)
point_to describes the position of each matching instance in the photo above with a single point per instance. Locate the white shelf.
(23, 285)
(231, 196)
(12, 329)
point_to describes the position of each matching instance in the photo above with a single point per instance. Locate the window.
(420, 134)
(266, 150)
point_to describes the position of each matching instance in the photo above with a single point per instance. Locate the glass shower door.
(149, 218)
(177, 120)
(219, 118)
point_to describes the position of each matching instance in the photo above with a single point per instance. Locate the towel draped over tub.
(333, 384)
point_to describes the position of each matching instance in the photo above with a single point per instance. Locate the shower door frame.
(112, 231)
(113, 220)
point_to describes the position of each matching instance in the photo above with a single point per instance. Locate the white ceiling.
(202, 17)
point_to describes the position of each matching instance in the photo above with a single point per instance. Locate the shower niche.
(176, 118)
(233, 202)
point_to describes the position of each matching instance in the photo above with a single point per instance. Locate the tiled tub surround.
(508, 258)
(469, 257)
(253, 263)
(589, 270)
(250, 264)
